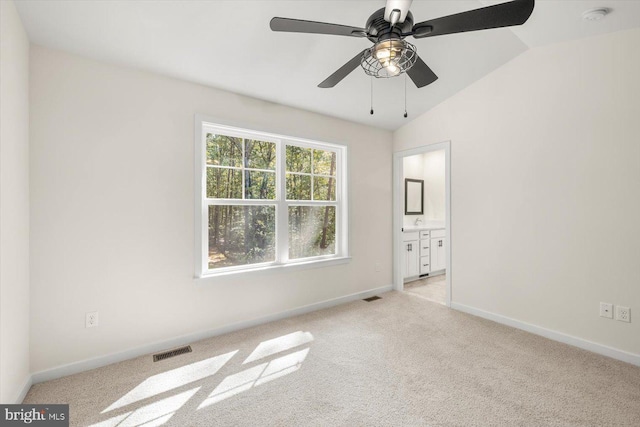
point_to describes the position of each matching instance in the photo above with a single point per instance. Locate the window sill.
(296, 266)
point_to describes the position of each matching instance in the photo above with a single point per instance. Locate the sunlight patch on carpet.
(263, 373)
(276, 345)
(151, 415)
(172, 379)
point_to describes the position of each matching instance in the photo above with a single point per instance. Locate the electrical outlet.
(92, 320)
(606, 310)
(623, 314)
(377, 266)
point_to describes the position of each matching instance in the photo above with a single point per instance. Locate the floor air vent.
(171, 353)
(372, 298)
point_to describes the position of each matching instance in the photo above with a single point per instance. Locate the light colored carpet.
(430, 288)
(397, 361)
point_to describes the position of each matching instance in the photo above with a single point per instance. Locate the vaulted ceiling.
(228, 45)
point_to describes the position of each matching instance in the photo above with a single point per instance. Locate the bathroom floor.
(429, 288)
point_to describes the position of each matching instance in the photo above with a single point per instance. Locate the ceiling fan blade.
(401, 5)
(421, 74)
(300, 26)
(342, 72)
(515, 12)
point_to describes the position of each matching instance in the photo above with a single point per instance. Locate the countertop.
(425, 227)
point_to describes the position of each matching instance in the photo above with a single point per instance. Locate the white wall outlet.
(378, 267)
(92, 320)
(606, 310)
(623, 314)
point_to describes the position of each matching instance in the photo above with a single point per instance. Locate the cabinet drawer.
(409, 236)
(438, 233)
(424, 265)
(424, 234)
(424, 247)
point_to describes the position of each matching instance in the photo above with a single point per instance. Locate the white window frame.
(205, 125)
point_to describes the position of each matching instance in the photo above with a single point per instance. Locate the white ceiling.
(228, 45)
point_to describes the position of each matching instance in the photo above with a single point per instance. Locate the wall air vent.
(171, 353)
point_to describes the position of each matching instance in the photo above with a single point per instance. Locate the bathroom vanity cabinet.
(424, 252)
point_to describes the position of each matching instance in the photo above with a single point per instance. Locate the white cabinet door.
(438, 254)
(410, 253)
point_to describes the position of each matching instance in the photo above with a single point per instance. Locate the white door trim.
(398, 210)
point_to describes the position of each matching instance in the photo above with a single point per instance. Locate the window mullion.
(242, 165)
(312, 178)
(282, 226)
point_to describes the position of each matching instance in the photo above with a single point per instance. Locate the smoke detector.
(595, 14)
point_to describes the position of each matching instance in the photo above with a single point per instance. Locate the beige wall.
(434, 185)
(546, 187)
(113, 210)
(14, 204)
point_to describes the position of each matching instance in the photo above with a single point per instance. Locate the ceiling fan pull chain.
(405, 96)
(371, 96)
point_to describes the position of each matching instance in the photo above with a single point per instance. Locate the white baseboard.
(85, 365)
(604, 350)
(24, 390)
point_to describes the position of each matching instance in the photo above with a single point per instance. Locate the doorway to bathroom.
(422, 222)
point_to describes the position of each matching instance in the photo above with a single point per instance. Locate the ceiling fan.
(391, 55)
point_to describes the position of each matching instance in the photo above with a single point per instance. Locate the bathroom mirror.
(413, 196)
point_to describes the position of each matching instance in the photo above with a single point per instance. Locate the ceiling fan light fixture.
(389, 58)
(392, 70)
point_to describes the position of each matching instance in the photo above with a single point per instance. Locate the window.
(267, 200)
